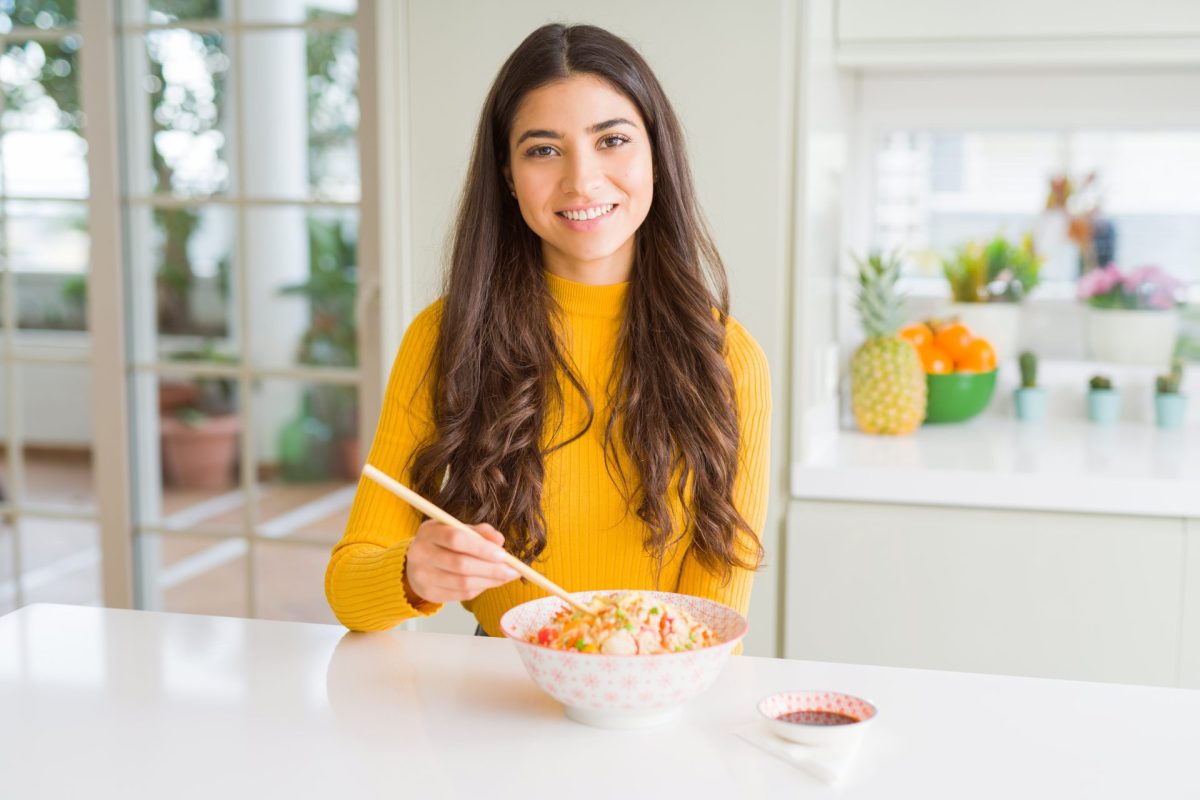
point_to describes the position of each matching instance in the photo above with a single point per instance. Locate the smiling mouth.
(595, 212)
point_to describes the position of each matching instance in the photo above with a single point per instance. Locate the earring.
(510, 191)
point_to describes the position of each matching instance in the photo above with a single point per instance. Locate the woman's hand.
(446, 565)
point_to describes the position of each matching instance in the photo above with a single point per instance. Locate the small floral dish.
(623, 691)
(817, 717)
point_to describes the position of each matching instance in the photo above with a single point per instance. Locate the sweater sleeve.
(752, 390)
(364, 580)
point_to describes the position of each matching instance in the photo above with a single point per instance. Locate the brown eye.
(613, 141)
(540, 151)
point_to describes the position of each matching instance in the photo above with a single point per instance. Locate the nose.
(582, 173)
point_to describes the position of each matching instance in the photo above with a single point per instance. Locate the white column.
(274, 133)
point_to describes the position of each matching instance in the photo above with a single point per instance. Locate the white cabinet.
(932, 20)
(1102, 32)
(1189, 658)
(1078, 596)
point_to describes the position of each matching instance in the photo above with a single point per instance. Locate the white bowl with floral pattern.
(624, 691)
(817, 717)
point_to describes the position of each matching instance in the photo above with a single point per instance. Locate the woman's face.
(581, 166)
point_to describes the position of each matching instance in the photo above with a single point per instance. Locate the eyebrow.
(599, 126)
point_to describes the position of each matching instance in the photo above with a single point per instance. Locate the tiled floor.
(60, 559)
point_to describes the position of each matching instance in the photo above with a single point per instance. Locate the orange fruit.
(918, 333)
(953, 339)
(935, 360)
(978, 357)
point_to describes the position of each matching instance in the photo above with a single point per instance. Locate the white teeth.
(589, 213)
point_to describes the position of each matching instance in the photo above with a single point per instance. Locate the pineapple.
(887, 381)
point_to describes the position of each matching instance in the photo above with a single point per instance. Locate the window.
(936, 189)
(942, 158)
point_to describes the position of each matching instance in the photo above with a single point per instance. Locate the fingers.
(491, 534)
(471, 567)
(464, 580)
(472, 544)
(451, 586)
(445, 564)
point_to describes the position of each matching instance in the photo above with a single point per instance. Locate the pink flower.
(1163, 301)
(1099, 281)
(1152, 286)
(1155, 276)
(1145, 287)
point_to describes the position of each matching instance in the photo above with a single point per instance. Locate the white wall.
(825, 108)
(730, 71)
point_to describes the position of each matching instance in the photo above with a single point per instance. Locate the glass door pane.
(243, 217)
(49, 529)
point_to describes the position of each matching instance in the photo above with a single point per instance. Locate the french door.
(190, 319)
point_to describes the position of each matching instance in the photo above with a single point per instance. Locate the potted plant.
(1030, 399)
(200, 433)
(987, 281)
(331, 340)
(1170, 404)
(74, 294)
(305, 446)
(1133, 317)
(1103, 401)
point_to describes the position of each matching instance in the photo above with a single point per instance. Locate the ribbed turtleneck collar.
(581, 299)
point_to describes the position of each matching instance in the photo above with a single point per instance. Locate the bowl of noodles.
(632, 664)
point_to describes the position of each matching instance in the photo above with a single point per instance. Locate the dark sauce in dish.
(817, 718)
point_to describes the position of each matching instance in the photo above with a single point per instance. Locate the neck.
(606, 271)
(588, 300)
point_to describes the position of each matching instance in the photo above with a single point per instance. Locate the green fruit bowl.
(958, 396)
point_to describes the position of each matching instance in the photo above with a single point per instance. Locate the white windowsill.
(1064, 465)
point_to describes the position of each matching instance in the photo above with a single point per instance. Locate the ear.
(507, 170)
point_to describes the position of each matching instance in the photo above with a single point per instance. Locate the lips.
(588, 212)
(587, 219)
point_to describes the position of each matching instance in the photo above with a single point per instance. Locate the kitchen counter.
(1065, 465)
(110, 703)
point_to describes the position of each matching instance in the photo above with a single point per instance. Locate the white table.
(104, 703)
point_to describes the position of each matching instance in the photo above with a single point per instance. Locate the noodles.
(625, 624)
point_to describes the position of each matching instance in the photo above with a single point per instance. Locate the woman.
(579, 391)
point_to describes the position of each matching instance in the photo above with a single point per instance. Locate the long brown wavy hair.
(495, 375)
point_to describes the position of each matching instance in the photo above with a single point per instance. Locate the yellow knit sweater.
(593, 540)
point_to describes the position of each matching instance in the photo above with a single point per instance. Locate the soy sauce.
(817, 718)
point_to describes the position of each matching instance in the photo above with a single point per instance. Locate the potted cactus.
(1030, 399)
(1103, 401)
(1170, 404)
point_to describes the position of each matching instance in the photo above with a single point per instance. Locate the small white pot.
(1125, 336)
(999, 323)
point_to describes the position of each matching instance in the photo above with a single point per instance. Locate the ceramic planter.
(1104, 406)
(1030, 403)
(1170, 410)
(1125, 336)
(202, 455)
